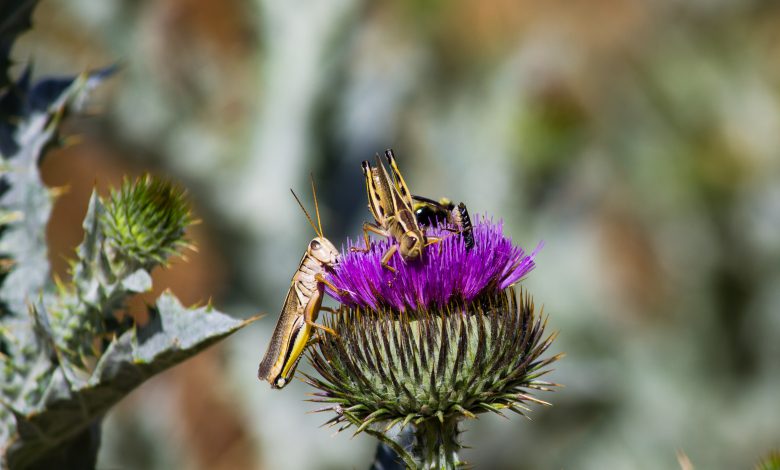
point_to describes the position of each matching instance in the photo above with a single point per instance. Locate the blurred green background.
(639, 140)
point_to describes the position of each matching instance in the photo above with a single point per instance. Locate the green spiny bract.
(429, 367)
(145, 221)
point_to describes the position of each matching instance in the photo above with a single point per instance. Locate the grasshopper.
(430, 212)
(390, 202)
(301, 306)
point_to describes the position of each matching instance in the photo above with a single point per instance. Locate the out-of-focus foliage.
(65, 355)
(770, 462)
(638, 139)
(14, 20)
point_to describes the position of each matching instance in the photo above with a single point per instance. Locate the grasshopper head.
(323, 251)
(411, 245)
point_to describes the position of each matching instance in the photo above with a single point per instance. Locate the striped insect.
(301, 307)
(444, 212)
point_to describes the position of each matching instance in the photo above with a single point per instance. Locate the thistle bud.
(145, 221)
(141, 225)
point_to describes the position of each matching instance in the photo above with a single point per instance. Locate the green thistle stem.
(436, 444)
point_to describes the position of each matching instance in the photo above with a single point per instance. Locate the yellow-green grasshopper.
(301, 306)
(390, 202)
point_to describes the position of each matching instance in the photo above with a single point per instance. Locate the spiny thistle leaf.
(22, 193)
(113, 263)
(29, 120)
(69, 405)
(64, 359)
(66, 382)
(145, 220)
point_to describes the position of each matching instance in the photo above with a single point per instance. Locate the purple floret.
(446, 272)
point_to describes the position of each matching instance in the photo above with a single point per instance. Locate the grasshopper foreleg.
(367, 227)
(321, 279)
(386, 258)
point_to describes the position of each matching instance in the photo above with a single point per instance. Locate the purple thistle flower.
(447, 271)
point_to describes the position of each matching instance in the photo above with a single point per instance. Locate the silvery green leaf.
(139, 281)
(23, 193)
(90, 248)
(66, 409)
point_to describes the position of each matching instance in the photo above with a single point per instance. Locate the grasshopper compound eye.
(314, 245)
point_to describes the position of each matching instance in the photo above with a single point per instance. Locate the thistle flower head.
(398, 368)
(433, 340)
(145, 220)
(446, 272)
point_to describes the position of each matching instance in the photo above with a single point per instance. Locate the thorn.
(58, 191)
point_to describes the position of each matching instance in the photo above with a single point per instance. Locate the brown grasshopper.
(301, 306)
(390, 202)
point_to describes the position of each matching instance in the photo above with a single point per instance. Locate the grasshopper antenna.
(316, 205)
(308, 217)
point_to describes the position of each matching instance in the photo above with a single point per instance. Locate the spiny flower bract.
(425, 364)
